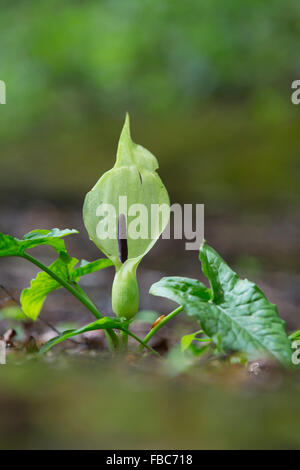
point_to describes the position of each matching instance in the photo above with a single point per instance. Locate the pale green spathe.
(134, 176)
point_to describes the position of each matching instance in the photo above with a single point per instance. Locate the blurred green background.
(208, 89)
(207, 85)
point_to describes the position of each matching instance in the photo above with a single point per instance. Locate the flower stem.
(80, 295)
(124, 340)
(160, 325)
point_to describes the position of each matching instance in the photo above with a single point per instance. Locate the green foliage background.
(207, 84)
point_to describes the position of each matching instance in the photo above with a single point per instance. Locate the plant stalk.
(81, 296)
(144, 345)
(160, 325)
(124, 340)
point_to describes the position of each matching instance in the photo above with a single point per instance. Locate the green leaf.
(88, 267)
(294, 335)
(11, 246)
(238, 316)
(187, 340)
(181, 288)
(47, 237)
(33, 298)
(104, 323)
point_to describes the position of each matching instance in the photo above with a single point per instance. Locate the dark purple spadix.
(122, 238)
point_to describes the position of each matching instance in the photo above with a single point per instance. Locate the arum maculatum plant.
(232, 314)
(134, 182)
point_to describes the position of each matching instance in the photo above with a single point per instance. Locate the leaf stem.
(160, 325)
(124, 340)
(142, 343)
(81, 296)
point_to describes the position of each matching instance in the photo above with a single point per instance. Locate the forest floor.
(78, 396)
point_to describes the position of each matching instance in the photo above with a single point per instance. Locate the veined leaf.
(51, 237)
(103, 323)
(180, 288)
(33, 298)
(238, 316)
(12, 246)
(87, 267)
(8, 245)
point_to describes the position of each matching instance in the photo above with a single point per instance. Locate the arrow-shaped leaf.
(12, 246)
(237, 316)
(33, 298)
